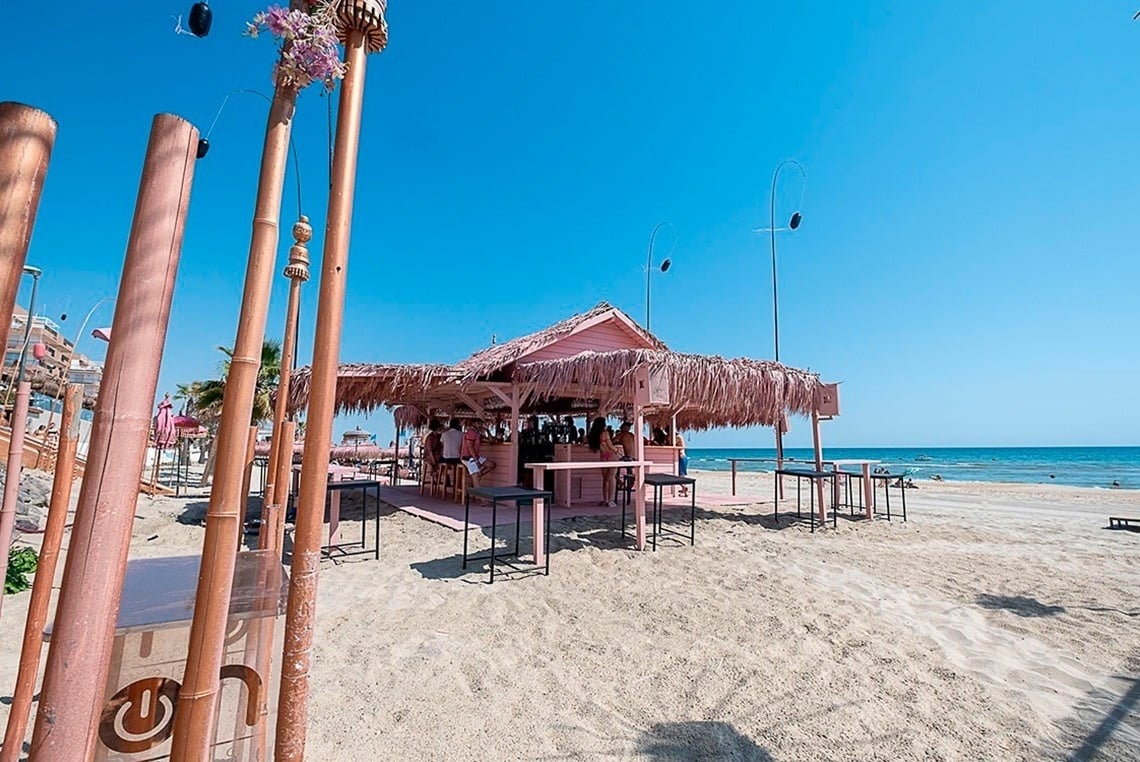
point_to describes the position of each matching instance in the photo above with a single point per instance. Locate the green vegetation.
(21, 562)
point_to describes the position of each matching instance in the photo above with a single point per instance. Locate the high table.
(333, 491)
(868, 488)
(812, 476)
(541, 530)
(659, 482)
(539, 475)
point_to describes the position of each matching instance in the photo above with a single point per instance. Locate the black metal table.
(886, 479)
(659, 482)
(799, 474)
(496, 495)
(364, 485)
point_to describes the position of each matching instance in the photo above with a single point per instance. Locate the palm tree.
(205, 397)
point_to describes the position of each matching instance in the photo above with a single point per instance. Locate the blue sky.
(966, 266)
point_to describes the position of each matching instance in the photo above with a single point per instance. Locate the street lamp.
(663, 267)
(66, 369)
(35, 272)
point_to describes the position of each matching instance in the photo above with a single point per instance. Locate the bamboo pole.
(194, 722)
(45, 575)
(246, 480)
(363, 30)
(297, 271)
(284, 480)
(78, 659)
(27, 136)
(12, 472)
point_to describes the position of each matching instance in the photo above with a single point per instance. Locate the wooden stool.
(461, 477)
(429, 476)
(449, 480)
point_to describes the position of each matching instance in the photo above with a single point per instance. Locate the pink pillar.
(12, 474)
(78, 661)
(818, 445)
(639, 484)
(27, 136)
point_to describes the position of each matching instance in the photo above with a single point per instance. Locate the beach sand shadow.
(1105, 725)
(1018, 604)
(699, 740)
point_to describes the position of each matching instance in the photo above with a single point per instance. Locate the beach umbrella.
(164, 431)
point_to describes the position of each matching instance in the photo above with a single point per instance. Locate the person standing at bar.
(600, 442)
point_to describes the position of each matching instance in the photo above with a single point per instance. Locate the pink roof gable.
(605, 332)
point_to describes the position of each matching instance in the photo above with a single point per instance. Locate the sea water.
(1075, 466)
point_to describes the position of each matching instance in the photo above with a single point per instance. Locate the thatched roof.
(364, 387)
(705, 390)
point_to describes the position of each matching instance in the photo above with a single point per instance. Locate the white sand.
(1000, 622)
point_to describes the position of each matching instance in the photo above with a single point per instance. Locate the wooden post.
(78, 660)
(818, 445)
(45, 575)
(12, 473)
(362, 30)
(247, 481)
(297, 271)
(27, 136)
(194, 722)
(513, 475)
(639, 484)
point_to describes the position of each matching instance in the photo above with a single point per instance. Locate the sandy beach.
(999, 622)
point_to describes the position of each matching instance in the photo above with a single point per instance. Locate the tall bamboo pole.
(194, 721)
(27, 136)
(297, 271)
(363, 30)
(45, 576)
(284, 481)
(79, 657)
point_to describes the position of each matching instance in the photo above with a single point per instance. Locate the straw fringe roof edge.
(364, 387)
(707, 390)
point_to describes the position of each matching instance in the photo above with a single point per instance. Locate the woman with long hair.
(599, 441)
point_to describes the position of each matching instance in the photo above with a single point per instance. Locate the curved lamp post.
(663, 267)
(74, 351)
(793, 223)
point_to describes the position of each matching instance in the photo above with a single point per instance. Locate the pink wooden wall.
(603, 337)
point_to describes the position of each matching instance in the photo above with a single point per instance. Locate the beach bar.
(600, 362)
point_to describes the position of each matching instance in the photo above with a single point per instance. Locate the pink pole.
(79, 657)
(12, 474)
(45, 576)
(26, 139)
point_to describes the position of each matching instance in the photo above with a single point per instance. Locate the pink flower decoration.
(307, 43)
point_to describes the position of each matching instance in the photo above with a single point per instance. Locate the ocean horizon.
(1073, 466)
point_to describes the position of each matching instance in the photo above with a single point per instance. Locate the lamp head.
(35, 272)
(795, 221)
(201, 17)
(666, 265)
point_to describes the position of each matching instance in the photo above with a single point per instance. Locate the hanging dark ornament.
(200, 19)
(203, 148)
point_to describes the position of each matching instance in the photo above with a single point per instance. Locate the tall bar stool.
(459, 487)
(430, 474)
(448, 480)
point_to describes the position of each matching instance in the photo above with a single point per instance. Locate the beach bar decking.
(598, 363)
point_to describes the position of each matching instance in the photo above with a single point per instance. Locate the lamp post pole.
(664, 267)
(793, 223)
(74, 351)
